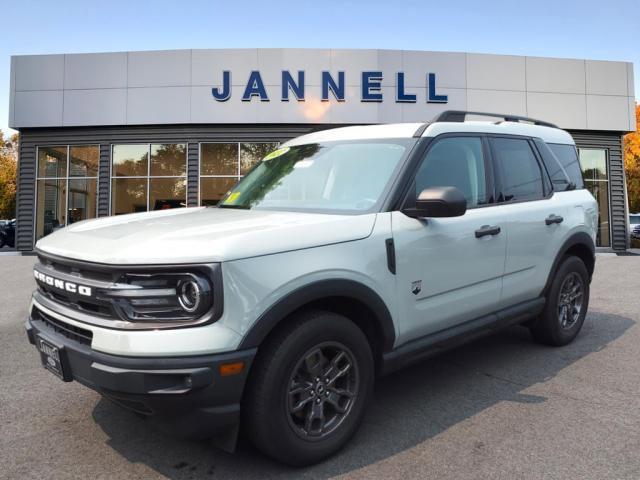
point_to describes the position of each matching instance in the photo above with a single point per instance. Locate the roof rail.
(461, 115)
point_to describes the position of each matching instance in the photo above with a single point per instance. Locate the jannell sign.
(371, 88)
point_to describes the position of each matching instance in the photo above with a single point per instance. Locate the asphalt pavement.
(500, 408)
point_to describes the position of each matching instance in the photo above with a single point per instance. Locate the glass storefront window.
(594, 164)
(252, 153)
(167, 193)
(52, 162)
(130, 160)
(148, 177)
(222, 165)
(66, 186)
(596, 179)
(219, 159)
(168, 159)
(212, 189)
(84, 161)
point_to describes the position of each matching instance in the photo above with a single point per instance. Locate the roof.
(408, 130)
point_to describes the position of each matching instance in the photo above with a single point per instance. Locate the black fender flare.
(306, 294)
(577, 238)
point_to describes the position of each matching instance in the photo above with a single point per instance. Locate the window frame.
(66, 179)
(409, 198)
(547, 185)
(148, 176)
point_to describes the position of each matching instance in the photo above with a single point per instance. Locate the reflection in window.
(594, 164)
(596, 179)
(222, 165)
(130, 160)
(455, 162)
(52, 162)
(84, 161)
(148, 177)
(165, 193)
(212, 189)
(252, 153)
(51, 206)
(66, 187)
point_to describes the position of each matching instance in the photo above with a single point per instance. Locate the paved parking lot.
(502, 407)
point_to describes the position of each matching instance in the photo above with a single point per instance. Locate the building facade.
(113, 133)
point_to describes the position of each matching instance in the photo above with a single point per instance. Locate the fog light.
(189, 295)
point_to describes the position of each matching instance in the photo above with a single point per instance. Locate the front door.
(449, 270)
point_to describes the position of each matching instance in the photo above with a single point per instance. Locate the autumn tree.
(8, 175)
(632, 165)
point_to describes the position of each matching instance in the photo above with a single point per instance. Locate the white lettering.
(86, 291)
(70, 287)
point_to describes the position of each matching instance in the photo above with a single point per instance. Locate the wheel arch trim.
(575, 239)
(316, 291)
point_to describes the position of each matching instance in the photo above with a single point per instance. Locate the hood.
(199, 235)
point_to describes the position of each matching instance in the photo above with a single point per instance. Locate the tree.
(8, 175)
(632, 165)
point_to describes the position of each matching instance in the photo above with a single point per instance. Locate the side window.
(455, 162)
(520, 174)
(567, 155)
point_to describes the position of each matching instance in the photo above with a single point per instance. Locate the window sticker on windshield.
(276, 153)
(232, 197)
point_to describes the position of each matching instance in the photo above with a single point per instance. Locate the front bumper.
(184, 396)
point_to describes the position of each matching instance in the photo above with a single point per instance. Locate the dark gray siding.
(105, 136)
(612, 142)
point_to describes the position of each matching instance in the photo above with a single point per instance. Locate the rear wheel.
(309, 388)
(567, 303)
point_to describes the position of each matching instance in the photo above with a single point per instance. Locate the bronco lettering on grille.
(62, 285)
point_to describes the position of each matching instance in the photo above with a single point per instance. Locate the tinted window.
(521, 177)
(568, 158)
(455, 162)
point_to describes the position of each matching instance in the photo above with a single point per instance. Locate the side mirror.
(439, 202)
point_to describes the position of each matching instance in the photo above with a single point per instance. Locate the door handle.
(551, 219)
(487, 230)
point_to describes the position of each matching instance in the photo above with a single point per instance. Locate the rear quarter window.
(567, 157)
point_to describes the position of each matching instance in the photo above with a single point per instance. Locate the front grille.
(94, 306)
(54, 325)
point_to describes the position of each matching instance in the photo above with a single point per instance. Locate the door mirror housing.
(439, 202)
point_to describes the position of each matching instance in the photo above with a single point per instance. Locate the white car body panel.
(213, 338)
(200, 235)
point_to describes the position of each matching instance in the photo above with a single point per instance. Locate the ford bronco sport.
(344, 254)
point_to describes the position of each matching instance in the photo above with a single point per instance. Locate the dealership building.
(112, 133)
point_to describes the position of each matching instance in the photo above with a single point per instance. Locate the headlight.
(172, 296)
(189, 295)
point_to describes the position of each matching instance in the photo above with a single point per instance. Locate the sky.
(603, 30)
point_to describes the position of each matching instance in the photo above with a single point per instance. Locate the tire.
(303, 438)
(2, 241)
(562, 319)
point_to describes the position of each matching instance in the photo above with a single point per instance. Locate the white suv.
(342, 255)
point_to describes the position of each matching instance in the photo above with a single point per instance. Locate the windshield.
(341, 177)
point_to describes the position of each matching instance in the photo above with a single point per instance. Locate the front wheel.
(309, 388)
(566, 307)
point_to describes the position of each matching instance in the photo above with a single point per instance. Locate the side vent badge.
(416, 287)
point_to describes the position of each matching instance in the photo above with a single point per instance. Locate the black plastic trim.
(578, 238)
(434, 343)
(391, 255)
(317, 291)
(459, 116)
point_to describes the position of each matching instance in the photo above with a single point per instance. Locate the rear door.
(449, 270)
(533, 216)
